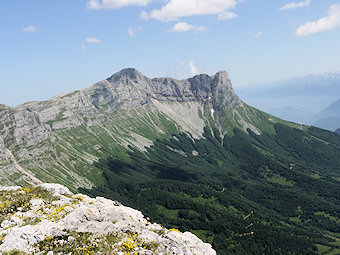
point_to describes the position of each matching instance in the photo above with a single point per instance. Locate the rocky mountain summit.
(59, 140)
(130, 88)
(49, 219)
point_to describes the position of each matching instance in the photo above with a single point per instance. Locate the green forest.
(243, 193)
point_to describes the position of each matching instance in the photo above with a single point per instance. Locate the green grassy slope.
(71, 151)
(274, 193)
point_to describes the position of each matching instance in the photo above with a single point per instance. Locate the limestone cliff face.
(129, 88)
(59, 139)
(49, 218)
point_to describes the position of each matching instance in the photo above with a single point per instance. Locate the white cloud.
(89, 40)
(258, 34)
(114, 4)
(30, 29)
(330, 22)
(132, 31)
(295, 5)
(193, 69)
(93, 40)
(227, 15)
(176, 9)
(185, 27)
(182, 27)
(201, 29)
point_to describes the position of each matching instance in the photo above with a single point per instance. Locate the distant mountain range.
(329, 118)
(189, 154)
(296, 99)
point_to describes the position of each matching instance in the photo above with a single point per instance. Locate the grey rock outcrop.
(129, 88)
(56, 222)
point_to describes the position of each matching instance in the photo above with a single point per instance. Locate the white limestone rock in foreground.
(49, 218)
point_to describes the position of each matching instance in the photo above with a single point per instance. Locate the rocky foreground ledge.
(49, 219)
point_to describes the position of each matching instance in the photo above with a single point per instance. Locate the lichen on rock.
(49, 219)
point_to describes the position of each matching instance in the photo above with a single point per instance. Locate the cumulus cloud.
(330, 22)
(295, 5)
(258, 34)
(193, 69)
(30, 29)
(185, 27)
(175, 9)
(83, 47)
(182, 27)
(114, 4)
(93, 40)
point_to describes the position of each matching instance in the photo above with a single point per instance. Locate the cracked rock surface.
(49, 219)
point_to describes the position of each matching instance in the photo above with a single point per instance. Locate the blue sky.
(56, 46)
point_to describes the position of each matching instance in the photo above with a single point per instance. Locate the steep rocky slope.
(58, 140)
(49, 218)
